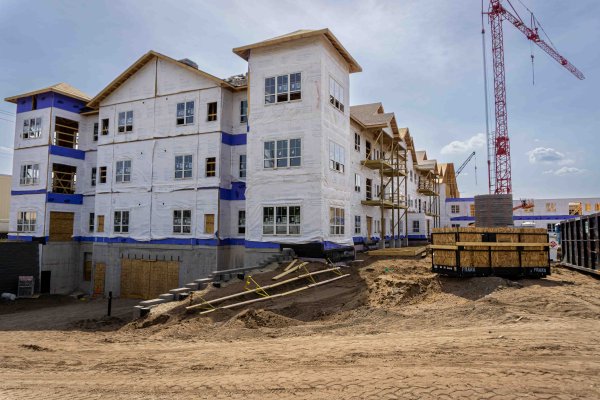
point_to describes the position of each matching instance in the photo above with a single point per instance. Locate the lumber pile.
(490, 251)
(400, 252)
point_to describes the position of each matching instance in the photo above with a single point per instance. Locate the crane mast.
(500, 179)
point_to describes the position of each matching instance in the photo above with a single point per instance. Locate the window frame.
(335, 151)
(357, 183)
(277, 155)
(357, 142)
(416, 226)
(127, 125)
(102, 175)
(181, 225)
(336, 94)
(32, 131)
(357, 225)
(337, 221)
(186, 118)
(123, 174)
(275, 224)
(91, 222)
(242, 166)
(183, 170)
(455, 208)
(35, 170)
(105, 126)
(241, 222)
(212, 172)
(243, 111)
(94, 176)
(288, 92)
(212, 116)
(96, 131)
(25, 222)
(123, 228)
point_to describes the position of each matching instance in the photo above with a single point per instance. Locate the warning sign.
(553, 244)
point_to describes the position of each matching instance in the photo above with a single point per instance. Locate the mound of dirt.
(98, 324)
(254, 319)
(391, 291)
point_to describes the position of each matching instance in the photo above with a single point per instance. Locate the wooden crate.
(499, 254)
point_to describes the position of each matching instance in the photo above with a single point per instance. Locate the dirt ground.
(391, 330)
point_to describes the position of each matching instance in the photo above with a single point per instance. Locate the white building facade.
(169, 164)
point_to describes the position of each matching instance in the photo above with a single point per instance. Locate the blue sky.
(421, 58)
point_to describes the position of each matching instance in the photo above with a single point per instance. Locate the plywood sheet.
(99, 276)
(61, 226)
(146, 279)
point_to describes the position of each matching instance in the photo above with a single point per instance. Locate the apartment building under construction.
(169, 172)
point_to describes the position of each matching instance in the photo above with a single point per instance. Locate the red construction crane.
(500, 172)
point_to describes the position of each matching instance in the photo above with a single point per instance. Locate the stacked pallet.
(493, 210)
(490, 251)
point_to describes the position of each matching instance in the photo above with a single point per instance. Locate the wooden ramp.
(400, 252)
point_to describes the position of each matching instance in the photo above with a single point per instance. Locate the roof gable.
(138, 65)
(61, 88)
(244, 51)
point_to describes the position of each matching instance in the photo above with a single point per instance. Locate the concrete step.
(140, 311)
(167, 296)
(153, 302)
(192, 285)
(180, 290)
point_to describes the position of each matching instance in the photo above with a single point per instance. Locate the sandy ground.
(391, 330)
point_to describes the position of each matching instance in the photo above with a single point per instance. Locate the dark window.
(211, 166)
(241, 222)
(242, 165)
(94, 171)
(102, 174)
(243, 111)
(95, 131)
(212, 112)
(105, 126)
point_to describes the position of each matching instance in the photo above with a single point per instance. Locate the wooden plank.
(291, 264)
(274, 285)
(243, 303)
(442, 247)
(496, 244)
(289, 271)
(99, 274)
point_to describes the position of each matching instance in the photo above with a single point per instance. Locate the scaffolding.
(388, 157)
(428, 184)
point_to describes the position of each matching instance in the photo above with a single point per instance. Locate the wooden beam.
(501, 244)
(243, 303)
(262, 288)
(289, 271)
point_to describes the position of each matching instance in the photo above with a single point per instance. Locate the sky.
(421, 58)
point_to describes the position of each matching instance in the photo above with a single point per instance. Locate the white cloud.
(568, 171)
(547, 155)
(461, 147)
